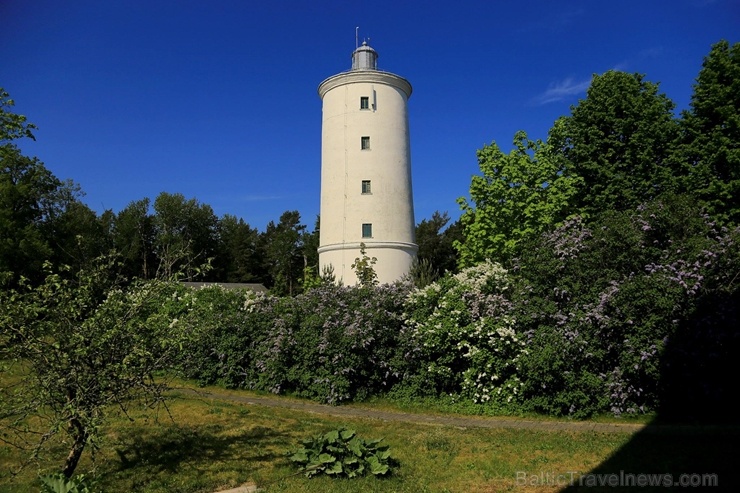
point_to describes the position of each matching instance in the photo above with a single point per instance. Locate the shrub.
(229, 326)
(462, 338)
(341, 453)
(601, 304)
(334, 343)
(331, 343)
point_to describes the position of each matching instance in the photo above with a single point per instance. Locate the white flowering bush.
(463, 336)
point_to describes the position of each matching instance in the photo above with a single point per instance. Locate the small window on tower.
(364, 103)
(366, 186)
(367, 230)
(365, 143)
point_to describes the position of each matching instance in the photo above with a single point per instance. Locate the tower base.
(394, 260)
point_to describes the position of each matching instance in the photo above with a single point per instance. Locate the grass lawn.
(211, 445)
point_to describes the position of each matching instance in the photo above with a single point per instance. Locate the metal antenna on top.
(357, 31)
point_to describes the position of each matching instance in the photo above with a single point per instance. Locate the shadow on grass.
(173, 446)
(694, 442)
(668, 458)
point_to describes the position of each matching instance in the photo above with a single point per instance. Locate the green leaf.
(58, 483)
(355, 446)
(332, 436)
(340, 453)
(326, 458)
(383, 454)
(376, 467)
(372, 443)
(334, 468)
(300, 456)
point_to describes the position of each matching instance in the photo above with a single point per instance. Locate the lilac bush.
(334, 344)
(229, 325)
(463, 334)
(600, 331)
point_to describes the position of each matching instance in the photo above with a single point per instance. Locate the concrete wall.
(386, 165)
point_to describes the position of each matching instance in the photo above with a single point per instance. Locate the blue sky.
(217, 100)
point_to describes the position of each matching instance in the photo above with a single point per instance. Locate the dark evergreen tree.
(79, 235)
(133, 238)
(284, 253)
(436, 242)
(240, 252)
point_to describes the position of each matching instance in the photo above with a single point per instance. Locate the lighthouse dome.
(364, 58)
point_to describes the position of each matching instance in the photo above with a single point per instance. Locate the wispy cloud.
(557, 91)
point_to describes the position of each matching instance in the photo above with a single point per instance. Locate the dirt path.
(429, 419)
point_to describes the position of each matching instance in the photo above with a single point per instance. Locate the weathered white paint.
(386, 164)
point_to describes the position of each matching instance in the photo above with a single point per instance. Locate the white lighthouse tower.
(366, 193)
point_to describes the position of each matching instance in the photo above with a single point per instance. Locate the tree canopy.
(12, 125)
(518, 196)
(435, 239)
(284, 252)
(32, 203)
(709, 147)
(618, 140)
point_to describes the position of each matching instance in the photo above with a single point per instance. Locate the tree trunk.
(80, 440)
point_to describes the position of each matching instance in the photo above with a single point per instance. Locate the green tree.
(32, 201)
(436, 243)
(710, 134)
(284, 253)
(240, 252)
(23, 183)
(84, 347)
(518, 196)
(311, 245)
(12, 126)
(618, 140)
(79, 235)
(311, 275)
(133, 237)
(185, 234)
